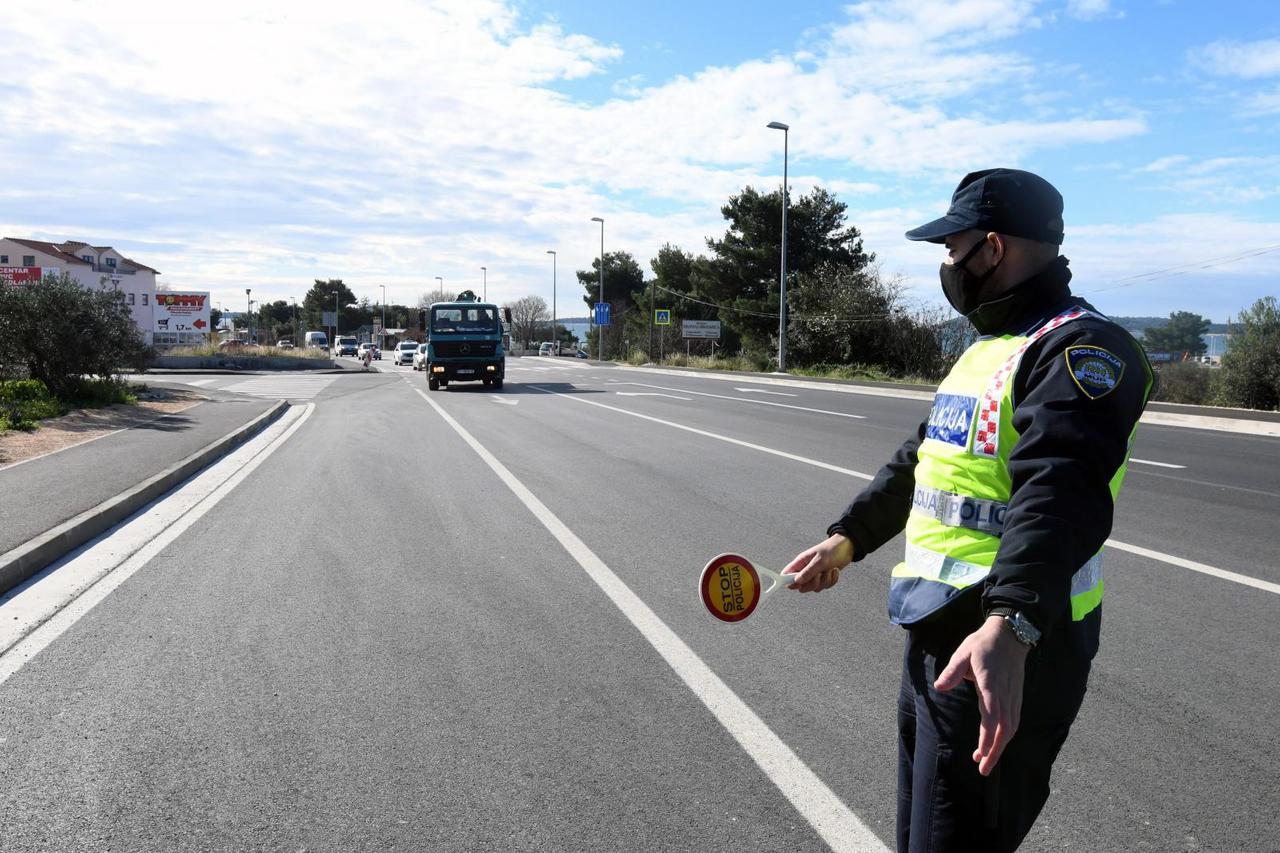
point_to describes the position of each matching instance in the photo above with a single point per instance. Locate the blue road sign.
(602, 313)
(662, 317)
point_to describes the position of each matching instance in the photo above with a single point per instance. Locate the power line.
(863, 318)
(1182, 269)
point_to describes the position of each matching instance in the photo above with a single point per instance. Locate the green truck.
(465, 342)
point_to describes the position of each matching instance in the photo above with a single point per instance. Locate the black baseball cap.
(1007, 201)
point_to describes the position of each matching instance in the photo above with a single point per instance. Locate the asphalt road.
(372, 642)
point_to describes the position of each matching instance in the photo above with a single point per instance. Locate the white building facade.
(94, 267)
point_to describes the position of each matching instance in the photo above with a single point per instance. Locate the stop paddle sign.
(731, 587)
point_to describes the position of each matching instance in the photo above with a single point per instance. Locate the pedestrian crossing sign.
(662, 317)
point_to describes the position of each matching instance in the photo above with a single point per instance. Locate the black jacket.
(1070, 446)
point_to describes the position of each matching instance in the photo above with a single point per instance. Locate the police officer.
(1006, 495)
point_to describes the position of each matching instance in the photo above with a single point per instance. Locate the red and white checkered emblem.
(987, 440)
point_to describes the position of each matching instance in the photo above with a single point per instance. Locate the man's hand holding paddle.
(818, 568)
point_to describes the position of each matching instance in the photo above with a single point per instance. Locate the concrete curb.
(26, 560)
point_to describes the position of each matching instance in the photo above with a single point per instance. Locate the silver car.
(420, 357)
(405, 351)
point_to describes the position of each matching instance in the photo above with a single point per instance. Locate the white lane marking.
(1155, 555)
(200, 383)
(762, 391)
(283, 387)
(39, 611)
(748, 400)
(795, 458)
(834, 821)
(503, 401)
(1235, 577)
(1157, 464)
(650, 394)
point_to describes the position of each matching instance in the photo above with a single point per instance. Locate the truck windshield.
(464, 321)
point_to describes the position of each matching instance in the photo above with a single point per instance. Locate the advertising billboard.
(21, 275)
(179, 313)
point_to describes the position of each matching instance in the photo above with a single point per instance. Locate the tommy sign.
(181, 312)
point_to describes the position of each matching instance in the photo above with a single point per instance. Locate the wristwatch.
(1023, 630)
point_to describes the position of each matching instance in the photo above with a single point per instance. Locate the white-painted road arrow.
(505, 402)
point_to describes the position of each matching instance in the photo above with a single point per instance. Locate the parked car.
(374, 352)
(420, 357)
(547, 348)
(345, 345)
(405, 351)
(284, 343)
(581, 354)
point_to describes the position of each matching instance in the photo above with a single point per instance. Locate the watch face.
(1023, 629)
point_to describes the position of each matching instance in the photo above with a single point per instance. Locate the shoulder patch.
(1095, 371)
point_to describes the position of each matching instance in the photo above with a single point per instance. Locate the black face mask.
(962, 288)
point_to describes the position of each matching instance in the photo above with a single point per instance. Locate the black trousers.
(944, 804)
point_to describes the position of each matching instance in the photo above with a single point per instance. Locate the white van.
(316, 340)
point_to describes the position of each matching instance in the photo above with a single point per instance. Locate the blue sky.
(259, 144)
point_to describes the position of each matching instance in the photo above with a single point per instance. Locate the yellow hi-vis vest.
(962, 485)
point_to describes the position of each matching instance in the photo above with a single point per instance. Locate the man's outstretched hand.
(818, 568)
(995, 661)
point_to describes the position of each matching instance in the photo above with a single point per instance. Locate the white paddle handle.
(779, 580)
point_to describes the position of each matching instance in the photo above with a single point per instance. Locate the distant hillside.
(1136, 325)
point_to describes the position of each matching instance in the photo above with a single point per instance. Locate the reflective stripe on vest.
(959, 510)
(962, 483)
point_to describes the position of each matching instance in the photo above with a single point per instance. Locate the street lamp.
(248, 314)
(334, 342)
(552, 253)
(383, 331)
(441, 286)
(297, 338)
(782, 302)
(600, 331)
(484, 292)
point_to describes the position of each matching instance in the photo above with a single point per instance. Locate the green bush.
(23, 402)
(1184, 382)
(59, 332)
(1251, 366)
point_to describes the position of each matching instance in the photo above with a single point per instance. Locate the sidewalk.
(52, 504)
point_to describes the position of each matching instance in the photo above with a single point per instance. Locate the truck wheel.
(433, 384)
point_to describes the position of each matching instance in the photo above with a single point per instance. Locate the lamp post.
(251, 304)
(484, 289)
(600, 331)
(334, 342)
(297, 337)
(552, 253)
(383, 331)
(782, 302)
(441, 285)
(248, 314)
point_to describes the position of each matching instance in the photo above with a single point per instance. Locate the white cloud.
(1090, 10)
(1249, 60)
(1163, 164)
(394, 141)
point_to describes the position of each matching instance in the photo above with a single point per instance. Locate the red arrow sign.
(199, 324)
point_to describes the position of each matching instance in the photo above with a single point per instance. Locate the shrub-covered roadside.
(63, 346)
(24, 402)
